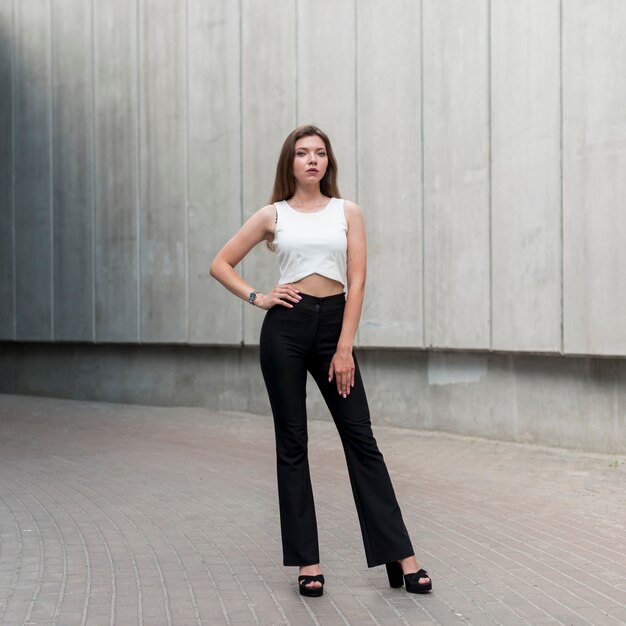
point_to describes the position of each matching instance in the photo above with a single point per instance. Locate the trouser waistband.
(328, 303)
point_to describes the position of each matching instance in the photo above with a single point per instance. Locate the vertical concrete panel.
(214, 136)
(163, 178)
(33, 210)
(7, 217)
(456, 174)
(390, 170)
(268, 116)
(72, 99)
(327, 79)
(594, 180)
(115, 171)
(526, 175)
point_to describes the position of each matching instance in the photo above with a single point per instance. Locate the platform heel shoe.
(311, 592)
(411, 581)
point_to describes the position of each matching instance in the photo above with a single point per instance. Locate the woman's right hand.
(282, 295)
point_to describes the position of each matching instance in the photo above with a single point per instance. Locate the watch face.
(252, 297)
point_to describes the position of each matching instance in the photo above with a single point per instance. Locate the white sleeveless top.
(311, 243)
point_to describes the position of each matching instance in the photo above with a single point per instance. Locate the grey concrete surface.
(116, 174)
(72, 160)
(163, 154)
(7, 223)
(32, 172)
(121, 515)
(214, 136)
(137, 136)
(391, 317)
(457, 174)
(526, 175)
(565, 402)
(269, 112)
(594, 156)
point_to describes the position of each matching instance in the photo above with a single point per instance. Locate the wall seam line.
(296, 37)
(13, 160)
(138, 160)
(423, 194)
(51, 157)
(93, 172)
(357, 338)
(186, 134)
(356, 102)
(562, 204)
(490, 168)
(241, 199)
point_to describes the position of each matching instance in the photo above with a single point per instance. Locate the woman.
(310, 326)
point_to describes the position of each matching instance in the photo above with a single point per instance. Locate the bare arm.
(342, 365)
(259, 227)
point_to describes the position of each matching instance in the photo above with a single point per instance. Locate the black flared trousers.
(294, 341)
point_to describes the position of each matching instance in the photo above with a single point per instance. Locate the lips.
(312, 171)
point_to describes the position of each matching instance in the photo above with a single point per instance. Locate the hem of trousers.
(391, 559)
(291, 563)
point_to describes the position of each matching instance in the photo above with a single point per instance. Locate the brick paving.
(117, 514)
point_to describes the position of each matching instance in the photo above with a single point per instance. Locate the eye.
(321, 153)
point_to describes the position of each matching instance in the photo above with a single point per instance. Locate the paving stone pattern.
(117, 514)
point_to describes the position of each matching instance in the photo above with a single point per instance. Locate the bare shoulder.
(267, 211)
(351, 209)
(267, 216)
(260, 225)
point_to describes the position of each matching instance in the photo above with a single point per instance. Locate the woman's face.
(310, 161)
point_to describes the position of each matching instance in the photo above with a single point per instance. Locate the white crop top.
(311, 243)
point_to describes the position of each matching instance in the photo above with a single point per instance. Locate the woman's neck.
(307, 196)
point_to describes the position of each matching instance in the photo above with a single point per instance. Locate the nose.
(312, 159)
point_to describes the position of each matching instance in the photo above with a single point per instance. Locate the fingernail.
(345, 396)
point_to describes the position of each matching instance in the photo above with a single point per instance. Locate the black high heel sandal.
(311, 592)
(411, 581)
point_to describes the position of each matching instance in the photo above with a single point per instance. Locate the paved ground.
(116, 514)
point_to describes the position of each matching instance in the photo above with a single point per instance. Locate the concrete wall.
(484, 140)
(576, 402)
